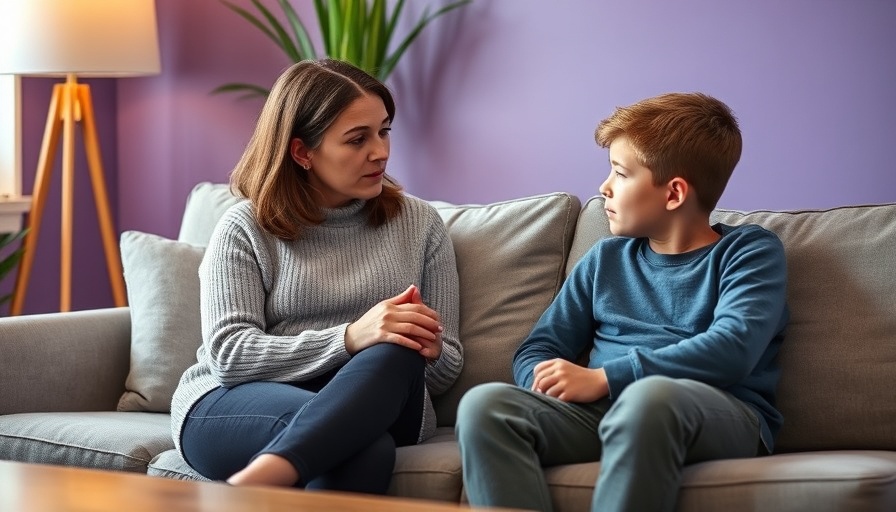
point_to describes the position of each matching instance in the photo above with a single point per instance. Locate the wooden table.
(41, 488)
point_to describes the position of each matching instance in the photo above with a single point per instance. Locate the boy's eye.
(619, 174)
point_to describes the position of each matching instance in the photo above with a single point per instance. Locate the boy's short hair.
(689, 135)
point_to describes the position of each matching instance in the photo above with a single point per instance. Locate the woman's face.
(350, 161)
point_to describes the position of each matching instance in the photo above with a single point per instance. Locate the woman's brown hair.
(303, 103)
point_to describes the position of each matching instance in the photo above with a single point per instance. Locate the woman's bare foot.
(266, 469)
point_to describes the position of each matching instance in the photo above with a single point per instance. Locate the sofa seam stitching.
(85, 448)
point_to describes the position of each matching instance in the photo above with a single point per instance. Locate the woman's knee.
(392, 356)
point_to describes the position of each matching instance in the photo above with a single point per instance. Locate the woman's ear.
(300, 153)
(677, 191)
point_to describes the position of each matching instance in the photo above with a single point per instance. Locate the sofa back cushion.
(510, 262)
(206, 204)
(838, 359)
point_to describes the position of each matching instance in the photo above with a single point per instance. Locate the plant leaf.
(254, 21)
(376, 36)
(346, 40)
(393, 21)
(10, 261)
(360, 32)
(305, 46)
(335, 30)
(9, 238)
(323, 20)
(286, 42)
(390, 62)
(249, 90)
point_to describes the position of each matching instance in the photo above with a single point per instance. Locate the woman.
(329, 300)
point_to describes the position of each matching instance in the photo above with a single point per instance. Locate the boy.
(683, 321)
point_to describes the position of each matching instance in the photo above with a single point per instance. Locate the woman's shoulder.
(238, 218)
(241, 208)
(419, 208)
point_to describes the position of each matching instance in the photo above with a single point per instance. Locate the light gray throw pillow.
(162, 279)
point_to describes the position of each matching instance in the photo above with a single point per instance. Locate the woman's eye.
(385, 132)
(357, 142)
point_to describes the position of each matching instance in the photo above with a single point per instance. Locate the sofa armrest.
(64, 361)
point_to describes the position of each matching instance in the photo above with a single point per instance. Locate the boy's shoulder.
(747, 234)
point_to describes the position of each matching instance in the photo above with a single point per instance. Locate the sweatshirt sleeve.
(750, 312)
(440, 291)
(233, 295)
(566, 328)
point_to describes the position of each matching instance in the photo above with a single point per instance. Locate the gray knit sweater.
(275, 310)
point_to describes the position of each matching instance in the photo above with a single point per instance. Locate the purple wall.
(500, 99)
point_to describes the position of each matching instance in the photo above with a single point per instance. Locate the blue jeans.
(507, 434)
(339, 430)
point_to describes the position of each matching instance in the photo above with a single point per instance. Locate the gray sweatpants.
(643, 438)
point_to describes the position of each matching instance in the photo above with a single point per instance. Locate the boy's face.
(635, 206)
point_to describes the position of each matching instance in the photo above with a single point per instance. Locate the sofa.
(92, 388)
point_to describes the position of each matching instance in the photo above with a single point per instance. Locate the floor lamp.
(74, 38)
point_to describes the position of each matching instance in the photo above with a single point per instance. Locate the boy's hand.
(570, 382)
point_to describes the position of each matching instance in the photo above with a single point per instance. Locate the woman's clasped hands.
(404, 320)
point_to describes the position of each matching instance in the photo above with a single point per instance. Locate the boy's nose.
(604, 188)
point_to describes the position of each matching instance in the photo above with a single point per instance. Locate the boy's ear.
(677, 191)
(299, 152)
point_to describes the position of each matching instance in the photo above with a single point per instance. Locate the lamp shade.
(83, 37)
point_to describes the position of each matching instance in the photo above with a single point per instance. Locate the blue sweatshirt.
(714, 315)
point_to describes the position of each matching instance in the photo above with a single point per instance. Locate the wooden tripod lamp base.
(71, 104)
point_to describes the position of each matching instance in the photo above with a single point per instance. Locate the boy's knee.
(477, 407)
(480, 399)
(651, 401)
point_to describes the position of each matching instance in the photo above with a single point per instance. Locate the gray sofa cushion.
(430, 470)
(162, 279)
(42, 356)
(170, 464)
(124, 441)
(838, 358)
(831, 481)
(205, 205)
(510, 261)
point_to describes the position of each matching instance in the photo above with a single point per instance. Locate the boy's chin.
(615, 231)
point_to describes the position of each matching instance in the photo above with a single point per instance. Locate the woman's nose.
(381, 152)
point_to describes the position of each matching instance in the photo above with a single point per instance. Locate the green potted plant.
(8, 263)
(356, 31)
